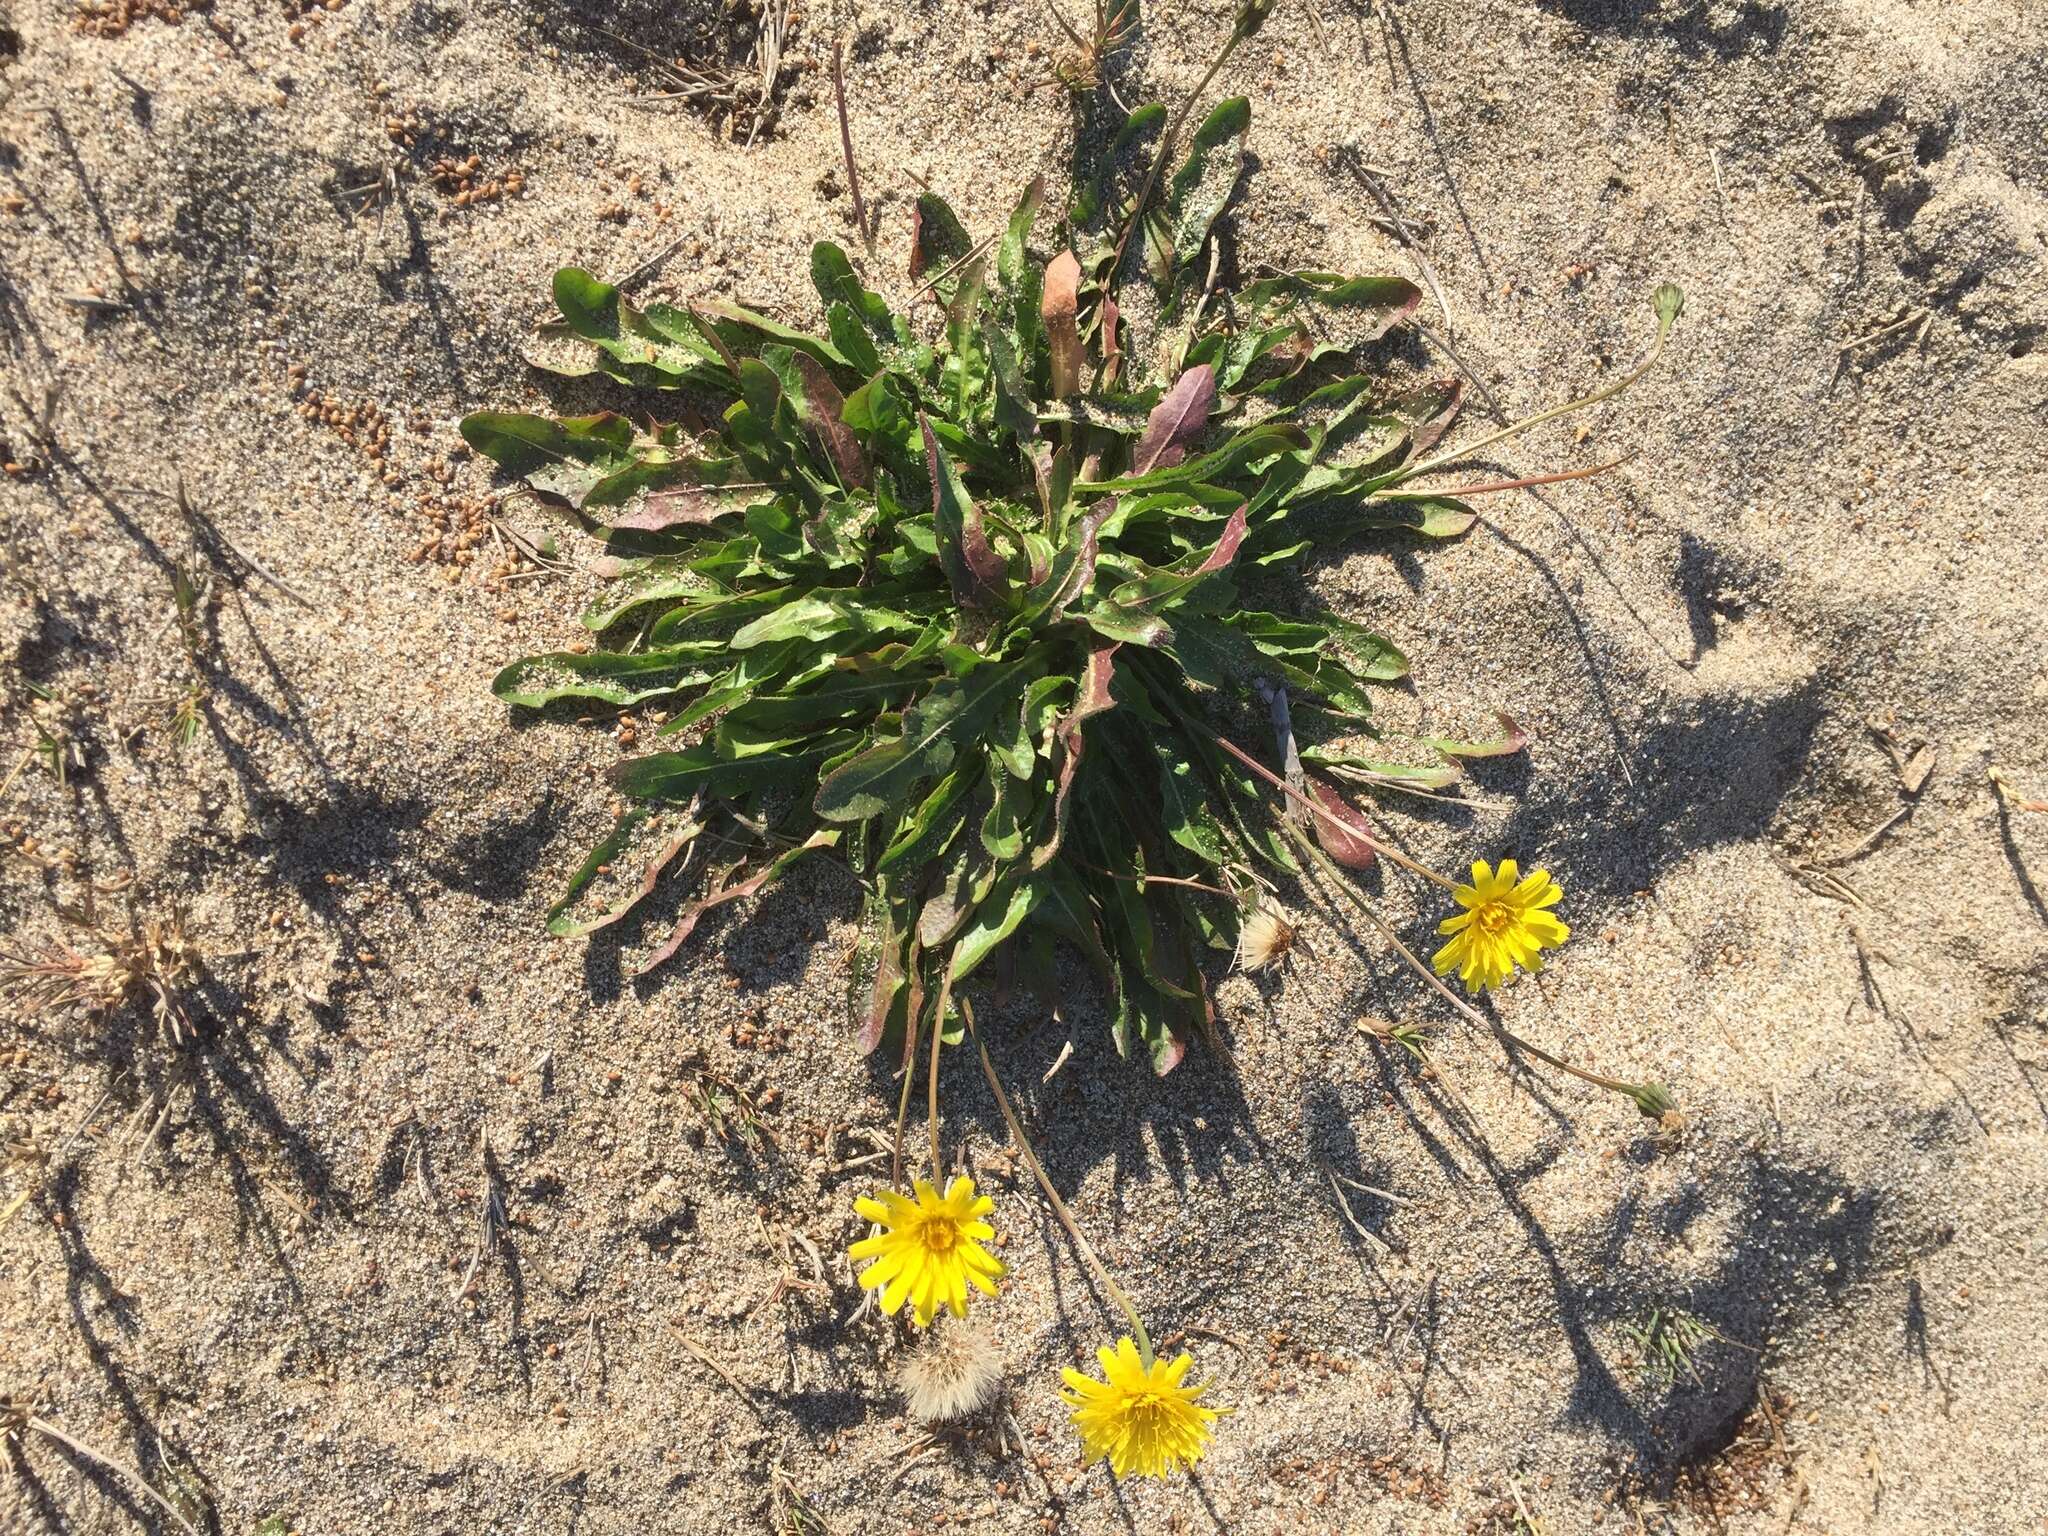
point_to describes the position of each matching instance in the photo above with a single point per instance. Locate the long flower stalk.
(1059, 1206)
(1668, 298)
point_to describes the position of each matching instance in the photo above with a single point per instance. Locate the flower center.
(1494, 918)
(939, 1236)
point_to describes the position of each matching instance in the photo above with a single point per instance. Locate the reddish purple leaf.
(1060, 307)
(681, 506)
(1176, 422)
(1512, 740)
(1350, 844)
(1112, 346)
(823, 407)
(887, 974)
(1092, 699)
(1226, 546)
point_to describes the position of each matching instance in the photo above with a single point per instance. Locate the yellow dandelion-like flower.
(930, 1249)
(1504, 925)
(1139, 1416)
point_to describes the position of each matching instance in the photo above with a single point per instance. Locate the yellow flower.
(931, 1248)
(1140, 1417)
(1504, 925)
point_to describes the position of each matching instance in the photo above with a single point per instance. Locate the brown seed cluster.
(464, 183)
(112, 18)
(363, 426)
(404, 128)
(456, 526)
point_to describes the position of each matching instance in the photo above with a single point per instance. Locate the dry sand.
(259, 1307)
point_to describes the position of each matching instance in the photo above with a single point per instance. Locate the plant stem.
(1665, 318)
(932, 1074)
(860, 212)
(1059, 1206)
(1465, 1010)
(1516, 485)
(1173, 128)
(909, 1077)
(1393, 855)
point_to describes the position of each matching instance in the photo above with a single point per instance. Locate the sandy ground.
(1815, 552)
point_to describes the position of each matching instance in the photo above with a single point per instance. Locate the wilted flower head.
(1264, 939)
(954, 1373)
(1504, 924)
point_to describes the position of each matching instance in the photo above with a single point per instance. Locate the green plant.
(966, 602)
(1667, 1339)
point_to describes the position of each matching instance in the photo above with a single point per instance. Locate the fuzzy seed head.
(956, 1372)
(1264, 939)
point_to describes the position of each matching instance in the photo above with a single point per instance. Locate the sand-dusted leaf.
(1200, 190)
(1434, 517)
(886, 993)
(1059, 310)
(823, 411)
(682, 506)
(1426, 411)
(568, 459)
(598, 860)
(738, 886)
(636, 829)
(979, 576)
(1177, 422)
(1351, 843)
(607, 676)
(1511, 740)
(1373, 770)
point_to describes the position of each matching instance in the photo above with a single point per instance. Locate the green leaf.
(1010, 267)
(938, 240)
(570, 458)
(607, 676)
(1511, 740)
(678, 775)
(979, 576)
(925, 832)
(659, 346)
(636, 827)
(1434, 517)
(1263, 441)
(746, 333)
(1201, 188)
(1003, 828)
(882, 776)
(1008, 905)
